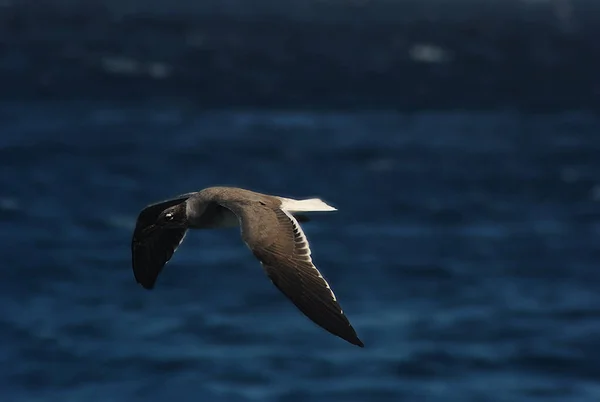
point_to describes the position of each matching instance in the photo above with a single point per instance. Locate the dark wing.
(277, 240)
(152, 247)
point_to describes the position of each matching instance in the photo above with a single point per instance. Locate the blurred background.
(460, 141)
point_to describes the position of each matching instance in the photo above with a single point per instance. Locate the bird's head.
(173, 217)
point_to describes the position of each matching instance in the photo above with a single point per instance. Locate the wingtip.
(358, 343)
(353, 339)
(147, 286)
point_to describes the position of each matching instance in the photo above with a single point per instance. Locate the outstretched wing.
(153, 247)
(277, 240)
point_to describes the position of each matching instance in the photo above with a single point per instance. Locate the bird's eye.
(169, 215)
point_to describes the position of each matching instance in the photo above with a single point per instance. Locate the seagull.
(270, 228)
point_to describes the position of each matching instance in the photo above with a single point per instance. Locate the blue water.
(465, 252)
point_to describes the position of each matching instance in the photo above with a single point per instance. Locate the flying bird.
(270, 228)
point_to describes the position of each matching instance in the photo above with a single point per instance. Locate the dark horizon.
(497, 55)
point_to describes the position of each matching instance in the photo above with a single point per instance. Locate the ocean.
(465, 253)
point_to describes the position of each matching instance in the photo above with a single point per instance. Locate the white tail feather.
(310, 205)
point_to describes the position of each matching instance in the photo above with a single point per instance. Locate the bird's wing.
(153, 247)
(276, 239)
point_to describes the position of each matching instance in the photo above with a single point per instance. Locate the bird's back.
(235, 195)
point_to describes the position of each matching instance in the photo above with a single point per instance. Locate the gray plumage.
(270, 229)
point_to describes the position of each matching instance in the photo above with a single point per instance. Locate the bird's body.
(269, 227)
